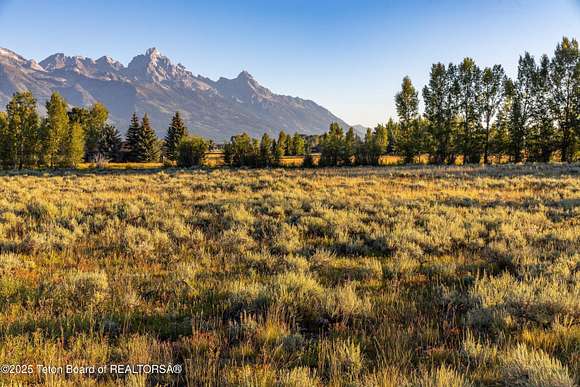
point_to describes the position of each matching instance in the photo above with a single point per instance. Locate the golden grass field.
(392, 276)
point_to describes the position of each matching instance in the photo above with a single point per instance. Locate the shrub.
(191, 150)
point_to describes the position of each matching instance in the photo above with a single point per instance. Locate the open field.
(431, 276)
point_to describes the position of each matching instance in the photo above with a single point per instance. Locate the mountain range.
(152, 84)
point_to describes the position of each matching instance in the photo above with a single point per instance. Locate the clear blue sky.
(349, 56)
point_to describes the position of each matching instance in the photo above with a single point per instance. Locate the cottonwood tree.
(542, 138)
(266, 155)
(191, 151)
(469, 79)
(410, 137)
(23, 130)
(492, 94)
(298, 145)
(332, 146)
(565, 87)
(242, 150)
(73, 146)
(93, 125)
(440, 97)
(522, 106)
(54, 130)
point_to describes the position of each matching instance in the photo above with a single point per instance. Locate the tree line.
(65, 138)
(469, 112)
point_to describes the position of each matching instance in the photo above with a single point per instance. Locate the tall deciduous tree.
(93, 126)
(469, 78)
(266, 155)
(440, 97)
(23, 130)
(332, 146)
(73, 146)
(54, 130)
(175, 133)
(542, 139)
(565, 80)
(280, 148)
(522, 106)
(492, 94)
(407, 102)
(298, 145)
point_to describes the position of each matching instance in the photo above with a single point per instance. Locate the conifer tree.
(4, 138)
(147, 149)
(111, 142)
(54, 130)
(133, 137)
(175, 133)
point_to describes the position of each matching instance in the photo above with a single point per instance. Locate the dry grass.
(431, 276)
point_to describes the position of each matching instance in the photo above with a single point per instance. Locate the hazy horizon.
(348, 57)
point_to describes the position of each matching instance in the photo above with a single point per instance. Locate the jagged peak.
(152, 52)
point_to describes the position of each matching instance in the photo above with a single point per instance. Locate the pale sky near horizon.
(348, 56)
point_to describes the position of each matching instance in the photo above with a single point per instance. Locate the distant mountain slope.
(151, 83)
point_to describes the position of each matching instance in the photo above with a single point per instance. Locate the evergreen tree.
(4, 139)
(492, 94)
(565, 82)
(175, 133)
(410, 137)
(111, 142)
(147, 148)
(73, 146)
(23, 130)
(133, 137)
(266, 155)
(54, 130)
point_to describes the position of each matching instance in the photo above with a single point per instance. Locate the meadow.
(368, 276)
